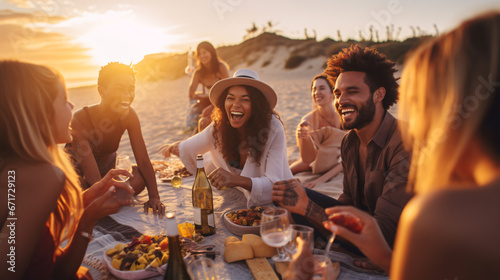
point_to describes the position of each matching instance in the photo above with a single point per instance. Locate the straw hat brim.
(222, 85)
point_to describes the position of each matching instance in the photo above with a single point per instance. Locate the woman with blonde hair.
(450, 95)
(42, 200)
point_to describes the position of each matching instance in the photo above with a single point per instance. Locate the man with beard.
(375, 163)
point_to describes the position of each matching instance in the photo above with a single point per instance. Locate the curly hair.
(378, 68)
(112, 69)
(256, 128)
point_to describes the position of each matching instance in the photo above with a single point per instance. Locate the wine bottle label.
(197, 215)
(211, 220)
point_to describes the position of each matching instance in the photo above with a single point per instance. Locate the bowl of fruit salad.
(141, 258)
(244, 221)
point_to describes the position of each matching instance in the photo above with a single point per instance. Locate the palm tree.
(251, 31)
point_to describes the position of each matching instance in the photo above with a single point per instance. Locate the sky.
(78, 36)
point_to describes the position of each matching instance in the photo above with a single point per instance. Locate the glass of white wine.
(275, 231)
(123, 162)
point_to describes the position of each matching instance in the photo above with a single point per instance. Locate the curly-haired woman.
(246, 139)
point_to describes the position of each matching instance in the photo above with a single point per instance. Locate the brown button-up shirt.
(383, 194)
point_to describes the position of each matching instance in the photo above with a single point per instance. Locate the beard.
(366, 111)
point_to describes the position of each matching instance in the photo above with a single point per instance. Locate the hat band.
(245, 76)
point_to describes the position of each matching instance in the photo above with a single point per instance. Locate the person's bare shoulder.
(41, 180)
(307, 117)
(132, 118)
(452, 228)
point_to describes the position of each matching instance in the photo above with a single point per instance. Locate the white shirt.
(273, 163)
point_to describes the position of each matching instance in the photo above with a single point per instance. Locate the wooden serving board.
(261, 269)
(281, 268)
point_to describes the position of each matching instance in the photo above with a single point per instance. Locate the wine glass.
(322, 267)
(202, 269)
(123, 162)
(304, 232)
(275, 231)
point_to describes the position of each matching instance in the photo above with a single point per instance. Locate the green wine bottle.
(176, 268)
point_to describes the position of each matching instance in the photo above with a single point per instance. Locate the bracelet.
(87, 235)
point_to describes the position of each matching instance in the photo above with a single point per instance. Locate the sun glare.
(125, 40)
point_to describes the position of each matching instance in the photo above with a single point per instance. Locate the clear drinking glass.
(322, 267)
(202, 269)
(275, 231)
(123, 162)
(304, 232)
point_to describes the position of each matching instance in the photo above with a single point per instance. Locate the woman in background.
(210, 70)
(319, 135)
(246, 140)
(450, 94)
(41, 186)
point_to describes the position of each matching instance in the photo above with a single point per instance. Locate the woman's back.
(451, 234)
(32, 191)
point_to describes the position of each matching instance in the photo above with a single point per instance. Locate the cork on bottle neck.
(199, 161)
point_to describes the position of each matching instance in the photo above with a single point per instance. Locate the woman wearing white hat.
(246, 139)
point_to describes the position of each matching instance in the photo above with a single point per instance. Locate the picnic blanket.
(132, 221)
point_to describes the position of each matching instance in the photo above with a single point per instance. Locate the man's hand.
(291, 195)
(370, 240)
(156, 205)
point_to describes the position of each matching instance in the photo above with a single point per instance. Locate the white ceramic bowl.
(239, 229)
(137, 274)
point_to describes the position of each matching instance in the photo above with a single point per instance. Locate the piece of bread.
(238, 251)
(259, 248)
(230, 239)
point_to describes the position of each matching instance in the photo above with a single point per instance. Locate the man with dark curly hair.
(375, 163)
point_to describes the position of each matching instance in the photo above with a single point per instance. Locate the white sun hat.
(243, 77)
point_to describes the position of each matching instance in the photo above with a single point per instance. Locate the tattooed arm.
(292, 196)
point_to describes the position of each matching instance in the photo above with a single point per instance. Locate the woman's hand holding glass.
(123, 162)
(102, 186)
(304, 130)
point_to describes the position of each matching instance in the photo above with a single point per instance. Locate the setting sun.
(125, 40)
